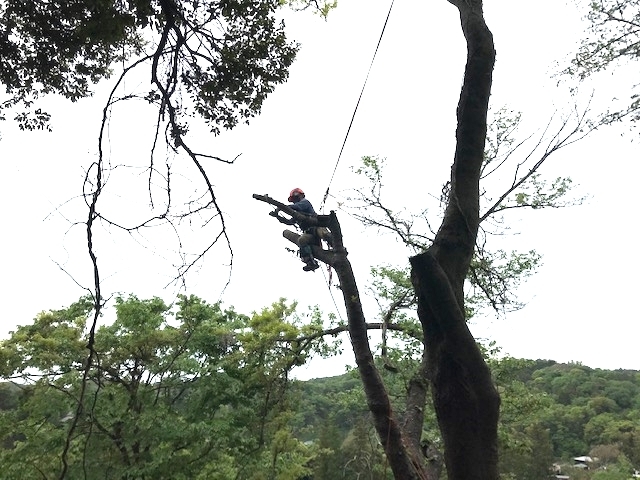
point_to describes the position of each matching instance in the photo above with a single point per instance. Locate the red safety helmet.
(296, 192)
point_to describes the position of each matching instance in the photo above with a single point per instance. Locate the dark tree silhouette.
(465, 398)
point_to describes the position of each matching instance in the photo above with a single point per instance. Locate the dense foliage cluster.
(612, 40)
(226, 56)
(182, 391)
(204, 392)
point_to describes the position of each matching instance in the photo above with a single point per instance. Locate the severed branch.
(300, 218)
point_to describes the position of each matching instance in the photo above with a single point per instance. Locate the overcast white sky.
(580, 304)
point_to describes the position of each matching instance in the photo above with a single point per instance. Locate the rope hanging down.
(326, 194)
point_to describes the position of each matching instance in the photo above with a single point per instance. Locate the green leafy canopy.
(189, 387)
(226, 56)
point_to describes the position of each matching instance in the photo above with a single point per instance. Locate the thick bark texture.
(464, 395)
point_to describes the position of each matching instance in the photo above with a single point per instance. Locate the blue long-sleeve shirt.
(303, 206)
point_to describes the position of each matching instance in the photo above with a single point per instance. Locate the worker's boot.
(311, 265)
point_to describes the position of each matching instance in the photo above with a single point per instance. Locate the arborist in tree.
(310, 235)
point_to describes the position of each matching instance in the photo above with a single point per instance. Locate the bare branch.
(563, 137)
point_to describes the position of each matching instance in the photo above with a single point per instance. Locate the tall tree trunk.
(465, 398)
(402, 450)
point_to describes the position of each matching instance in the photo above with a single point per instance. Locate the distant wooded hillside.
(551, 413)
